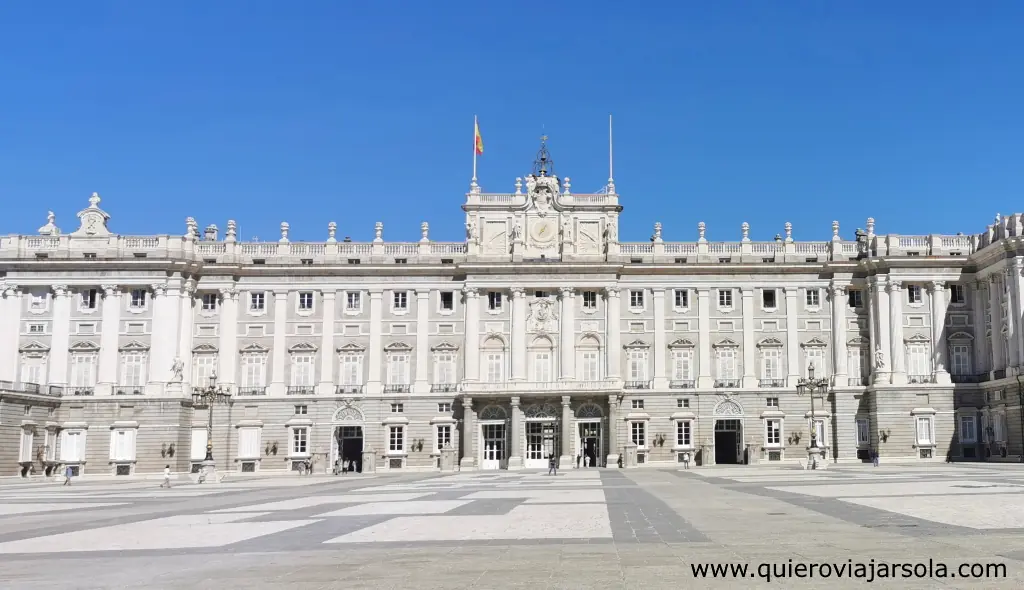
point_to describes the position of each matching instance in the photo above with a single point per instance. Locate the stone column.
(749, 362)
(327, 356)
(279, 355)
(883, 375)
(613, 330)
(186, 318)
(61, 338)
(373, 382)
(982, 361)
(227, 343)
(10, 329)
(421, 384)
(793, 371)
(567, 331)
(899, 371)
(472, 335)
(1011, 323)
(1017, 307)
(940, 362)
(613, 432)
(838, 295)
(567, 458)
(515, 460)
(165, 336)
(996, 314)
(469, 434)
(704, 378)
(660, 345)
(518, 333)
(106, 374)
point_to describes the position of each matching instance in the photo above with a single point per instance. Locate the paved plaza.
(580, 529)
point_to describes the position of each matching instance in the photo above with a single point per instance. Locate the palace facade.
(542, 333)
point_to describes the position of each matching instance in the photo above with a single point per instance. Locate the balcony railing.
(681, 384)
(396, 388)
(252, 391)
(444, 387)
(920, 379)
(343, 389)
(723, 383)
(80, 391)
(129, 390)
(35, 388)
(300, 390)
(856, 381)
(771, 382)
(968, 378)
(606, 385)
(636, 385)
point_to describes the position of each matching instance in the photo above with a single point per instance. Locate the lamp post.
(811, 386)
(208, 397)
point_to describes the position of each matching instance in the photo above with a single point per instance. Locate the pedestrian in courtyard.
(552, 465)
(167, 477)
(67, 475)
(686, 460)
(874, 457)
(578, 457)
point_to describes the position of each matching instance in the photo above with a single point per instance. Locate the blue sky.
(318, 111)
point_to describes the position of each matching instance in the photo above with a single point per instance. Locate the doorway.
(494, 446)
(542, 441)
(591, 441)
(349, 445)
(728, 434)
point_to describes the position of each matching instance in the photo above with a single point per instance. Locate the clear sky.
(356, 112)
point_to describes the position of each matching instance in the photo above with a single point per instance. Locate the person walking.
(67, 475)
(167, 477)
(552, 465)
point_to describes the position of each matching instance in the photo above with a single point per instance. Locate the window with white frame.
(684, 433)
(27, 439)
(133, 369)
(638, 433)
(999, 427)
(957, 294)
(918, 358)
(682, 364)
(773, 433)
(924, 430)
(302, 370)
(914, 295)
(33, 369)
(444, 368)
(249, 442)
(397, 408)
(400, 301)
(83, 369)
(88, 299)
(137, 299)
(444, 407)
(959, 359)
(446, 301)
(725, 298)
(590, 367)
(353, 301)
(771, 402)
(254, 370)
(494, 299)
(725, 358)
(854, 364)
(257, 301)
(542, 366)
(637, 404)
(494, 362)
(351, 369)
(38, 301)
(680, 299)
(443, 437)
(771, 363)
(398, 368)
(812, 298)
(36, 328)
(636, 364)
(122, 444)
(300, 441)
(197, 452)
(72, 446)
(301, 410)
(636, 299)
(203, 367)
(396, 439)
(863, 432)
(769, 299)
(968, 433)
(590, 300)
(306, 300)
(814, 356)
(209, 302)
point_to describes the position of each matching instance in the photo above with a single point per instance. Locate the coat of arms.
(543, 317)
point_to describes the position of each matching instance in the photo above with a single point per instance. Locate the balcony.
(856, 381)
(300, 390)
(636, 385)
(916, 379)
(397, 388)
(82, 391)
(251, 391)
(607, 386)
(682, 384)
(34, 388)
(444, 387)
(771, 383)
(969, 378)
(348, 388)
(724, 383)
(129, 390)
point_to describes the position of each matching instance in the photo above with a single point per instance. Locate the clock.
(543, 230)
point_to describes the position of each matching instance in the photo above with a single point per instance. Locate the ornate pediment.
(34, 347)
(302, 347)
(815, 343)
(770, 342)
(682, 343)
(541, 411)
(351, 348)
(726, 343)
(84, 346)
(398, 346)
(637, 344)
(543, 316)
(204, 349)
(445, 347)
(857, 342)
(348, 414)
(589, 340)
(917, 338)
(494, 341)
(960, 336)
(254, 348)
(134, 346)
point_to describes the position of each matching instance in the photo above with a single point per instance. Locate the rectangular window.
(542, 367)
(353, 301)
(726, 363)
(400, 301)
(209, 301)
(914, 294)
(924, 431)
(494, 300)
(198, 450)
(725, 298)
(855, 298)
(133, 372)
(444, 408)
(302, 370)
(854, 367)
(768, 299)
(25, 452)
(638, 404)
(863, 432)
(257, 301)
(957, 295)
(203, 367)
(771, 402)
(72, 446)
(83, 370)
(306, 301)
(89, 299)
(589, 367)
(960, 359)
(137, 299)
(636, 299)
(495, 367)
(590, 300)
(444, 368)
(300, 438)
(33, 370)
(351, 369)
(684, 433)
(682, 365)
(301, 410)
(444, 437)
(249, 442)
(773, 433)
(447, 301)
(683, 402)
(968, 434)
(397, 408)
(396, 439)
(681, 299)
(122, 445)
(37, 328)
(638, 434)
(398, 369)
(771, 363)
(815, 357)
(812, 298)
(636, 365)
(918, 359)
(253, 370)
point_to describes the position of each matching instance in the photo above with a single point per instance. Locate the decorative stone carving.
(191, 229)
(177, 369)
(472, 231)
(332, 231)
(728, 407)
(745, 228)
(611, 233)
(835, 230)
(424, 232)
(542, 411)
(493, 413)
(348, 414)
(589, 411)
(543, 316)
(567, 230)
(50, 229)
(284, 232)
(519, 186)
(789, 232)
(657, 232)
(232, 232)
(566, 185)
(93, 219)
(701, 230)
(880, 363)
(378, 231)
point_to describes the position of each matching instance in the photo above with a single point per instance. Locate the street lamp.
(811, 386)
(208, 397)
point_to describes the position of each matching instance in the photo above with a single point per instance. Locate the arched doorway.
(543, 430)
(347, 439)
(728, 433)
(494, 437)
(589, 422)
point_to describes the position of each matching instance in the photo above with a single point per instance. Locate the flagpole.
(475, 127)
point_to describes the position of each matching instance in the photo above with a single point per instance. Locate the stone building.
(540, 334)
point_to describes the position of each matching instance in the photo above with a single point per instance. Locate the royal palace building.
(541, 334)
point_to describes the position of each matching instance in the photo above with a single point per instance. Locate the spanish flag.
(478, 140)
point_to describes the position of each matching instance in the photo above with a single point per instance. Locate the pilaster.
(897, 354)
(749, 364)
(940, 362)
(567, 343)
(187, 317)
(996, 314)
(515, 460)
(881, 354)
(660, 345)
(421, 383)
(279, 354)
(472, 335)
(373, 382)
(327, 356)
(839, 350)
(518, 343)
(61, 338)
(1016, 276)
(165, 336)
(792, 338)
(227, 342)
(613, 332)
(981, 361)
(565, 461)
(10, 329)
(704, 379)
(111, 311)
(469, 434)
(613, 431)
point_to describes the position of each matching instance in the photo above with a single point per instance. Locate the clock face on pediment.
(543, 230)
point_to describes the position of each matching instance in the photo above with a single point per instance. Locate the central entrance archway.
(347, 439)
(543, 435)
(728, 432)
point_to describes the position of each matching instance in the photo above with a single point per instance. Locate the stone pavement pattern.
(580, 529)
